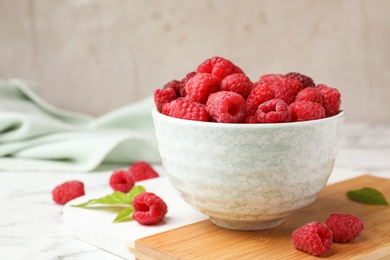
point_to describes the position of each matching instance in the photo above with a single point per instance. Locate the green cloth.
(37, 136)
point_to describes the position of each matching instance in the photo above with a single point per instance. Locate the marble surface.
(31, 225)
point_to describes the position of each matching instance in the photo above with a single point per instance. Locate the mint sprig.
(117, 198)
(367, 195)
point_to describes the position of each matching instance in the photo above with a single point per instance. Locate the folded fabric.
(37, 136)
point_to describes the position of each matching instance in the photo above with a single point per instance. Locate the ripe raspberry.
(345, 227)
(331, 98)
(286, 89)
(219, 67)
(226, 107)
(184, 82)
(142, 171)
(67, 191)
(163, 96)
(305, 111)
(175, 84)
(273, 111)
(309, 94)
(200, 86)
(269, 79)
(237, 82)
(121, 180)
(314, 238)
(186, 109)
(305, 80)
(149, 208)
(258, 95)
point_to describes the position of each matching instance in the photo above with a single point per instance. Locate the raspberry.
(309, 94)
(219, 67)
(345, 227)
(226, 107)
(121, 180)
(184, 82)
(306, 110)
(186, 109)
(314, 238)
(142, 171)
(331, 98)
(286, 89)
(273, 111)
(163, 96)
(258, 95)
(237, 82)
(269, 79)
(149, 208)
(67, 191)
(305, 80)
(200, 86)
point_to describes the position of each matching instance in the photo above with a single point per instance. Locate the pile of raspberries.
(219, 91)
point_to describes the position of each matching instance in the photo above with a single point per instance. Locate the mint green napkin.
(37, 136)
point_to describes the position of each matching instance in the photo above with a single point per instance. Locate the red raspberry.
(149, 208)
(184, 82)
(331, 98)
(345, 227)
(175, 84)
(186, 109)
(286, 89)
(67, 191)
(142, 171)
(226, 107)
(219, 67)
(309, 94)
(305, 80)
(273, 111)
(258, 95)
(121, 180)
(200, 86)
(314, 238)
(269, 79)
(305, 111)
(163, 96)
(237, 82)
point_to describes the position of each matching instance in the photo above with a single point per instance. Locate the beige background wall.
(94, 56)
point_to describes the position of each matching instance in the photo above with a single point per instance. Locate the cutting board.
(203, 240)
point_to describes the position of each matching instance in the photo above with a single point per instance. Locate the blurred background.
(94, 56)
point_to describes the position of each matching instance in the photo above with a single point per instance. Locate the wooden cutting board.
(203, 240)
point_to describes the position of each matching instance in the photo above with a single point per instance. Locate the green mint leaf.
(136, 190)
(367, 196)
(124, 215)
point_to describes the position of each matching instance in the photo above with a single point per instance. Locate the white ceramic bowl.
(248, 176)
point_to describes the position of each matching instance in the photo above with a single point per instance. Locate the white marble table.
(31, 225)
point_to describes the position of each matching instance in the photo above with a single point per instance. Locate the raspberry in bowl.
(245, 173)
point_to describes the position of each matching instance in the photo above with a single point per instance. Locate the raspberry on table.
(163, 96)
(305, 80)
(331, 98)
(258, 95)
(309, 94)
(286, 89)
(273, 111)
(314, 238)
(269, 79)
(149, 208)
(345, 227)
(219, 67)
(121, 180)
(305, 111)
(68, 191)
(199, 87)
(186, 109)
(237, 82)
(226, 107)
(142, 170)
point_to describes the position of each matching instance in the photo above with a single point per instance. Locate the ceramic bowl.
(248, 176)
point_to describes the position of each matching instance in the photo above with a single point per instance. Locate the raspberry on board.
(219, 67)
(149, 208)
(186, 109)
(120, 180)
(163, 96)
(345, 227)
(199, 87)
(258, 95)
(273, 111)
(331, 98)
(286, 89)
(68, 191)
(314, 238)
(142, 170)
(305, 80)
(227, 107)
(305, 111)
(237, 82)
(309, 94)
(269, 79)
